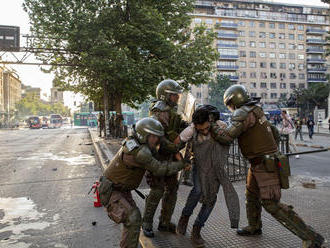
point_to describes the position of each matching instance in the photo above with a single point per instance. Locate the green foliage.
(125, 47)
(217, 89)
(30, 105)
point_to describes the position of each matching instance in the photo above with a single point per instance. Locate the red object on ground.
(97, 202)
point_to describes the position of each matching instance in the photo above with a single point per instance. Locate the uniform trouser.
(193, 198)
(122, 209)
(262, 190)
(164, 188)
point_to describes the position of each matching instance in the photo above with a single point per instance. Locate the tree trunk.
(106, 108)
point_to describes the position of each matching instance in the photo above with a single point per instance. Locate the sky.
(12, 13)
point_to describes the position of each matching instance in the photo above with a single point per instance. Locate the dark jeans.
(193, 199)
(310, 132)
(300, 133)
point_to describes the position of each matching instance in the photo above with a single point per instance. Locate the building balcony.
(315, 50)
(316, 31)
(227, 36)
(233, 78)
(228, 57)
(315, 41)
(222, 45)
(317, 80)
(316, 70)
(226, 25)
(227, 67)
(316, 61)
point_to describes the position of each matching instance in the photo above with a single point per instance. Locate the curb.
(97, 151)
(313, 146)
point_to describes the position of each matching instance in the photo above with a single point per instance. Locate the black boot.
(148, 232)
(170, 227)
(196, 237)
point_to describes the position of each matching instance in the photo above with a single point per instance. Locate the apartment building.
(12, 88)
(270, 48)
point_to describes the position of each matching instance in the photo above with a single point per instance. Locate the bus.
(85, 119)
(34, 122)
(56, 121)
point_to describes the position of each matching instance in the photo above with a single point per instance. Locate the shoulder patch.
(131, 144)
(241, 113)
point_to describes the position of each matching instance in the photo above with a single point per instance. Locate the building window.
(283, 95)
(263, 95)
(262, 25)
(292, 56)
(242, 53)
(291, 36)
(263, 85)
(252, 44)
(281, 45)
(301, 56)
(263, 75)
(292, 46)
(242, 43)
(199, 95)
(251, 24)
(301, 66)
(281, 36)
(291, 27)
(292, 66)
(253, 54)
(253, 75)
(252, 34)
(281, 25)
(263, 65)
(282, 65)
(301, 75)
(271, 25)
(273, 65)
(198, 20)
(272, 55)
(242, 64)
(300, 37)
(301, 86)
(253, 64)
(262, 35)
(241, 33)
(262, 55)
(241, 23)
(293, 75)
(282, 56)
(273, 75)
(253, 94)
(273, 85)
(283, 85)
(300, 47)
(272, 45)
(272, 35)
(300, 27)
(262, 44)
(209, 21)
(243, 74)
(292, 85)
(273, 95)
(253, 85)
(282, 75)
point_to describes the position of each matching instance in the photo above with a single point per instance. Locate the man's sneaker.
(249, 231)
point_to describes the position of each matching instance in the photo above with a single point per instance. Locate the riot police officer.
(125, 173)
(165, 188)
(257, 141)
(101, 124)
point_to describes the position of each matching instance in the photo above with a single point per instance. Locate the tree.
(217, 89)
(122, 48)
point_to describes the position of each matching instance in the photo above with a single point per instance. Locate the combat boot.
(167, 227)
(316, 243)
(196, 237)
(182, 225)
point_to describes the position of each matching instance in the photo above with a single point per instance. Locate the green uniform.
(164, 188)
(101, 123)
(126, 171)
(257, 141)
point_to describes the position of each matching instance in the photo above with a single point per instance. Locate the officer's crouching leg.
(290, 219)
(131, 231)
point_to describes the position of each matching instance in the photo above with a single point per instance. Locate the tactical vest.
(257, 140)
(124, 171)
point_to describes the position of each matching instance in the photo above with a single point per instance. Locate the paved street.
(45, 176)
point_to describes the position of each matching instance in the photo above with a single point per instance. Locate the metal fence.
(237, 166)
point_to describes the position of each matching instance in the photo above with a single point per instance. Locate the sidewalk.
(311, 203)
(318, 141)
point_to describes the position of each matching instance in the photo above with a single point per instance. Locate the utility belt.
(276, 162)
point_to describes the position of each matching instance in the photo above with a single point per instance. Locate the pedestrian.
(329, 123)
(207, 178)
(125, 173)
(112, 125)
(258, 139)
(310, 125)
(101, 123)
(298, 127)
(164, 109)
(288, 129)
